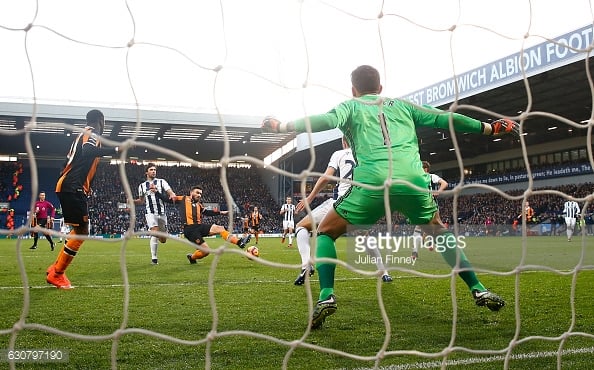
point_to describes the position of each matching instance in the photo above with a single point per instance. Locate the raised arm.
(319, 185)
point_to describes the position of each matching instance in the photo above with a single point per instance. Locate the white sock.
(379, 262)
(417, 240)
(569, 232)
(302, 238)
(154, 243)
(290, 238)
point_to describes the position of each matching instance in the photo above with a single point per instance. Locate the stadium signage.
(547, 173)
(548, 55)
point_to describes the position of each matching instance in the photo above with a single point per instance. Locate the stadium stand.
(248, 190)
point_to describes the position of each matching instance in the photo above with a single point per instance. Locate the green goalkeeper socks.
(325, 249)
(449, 255)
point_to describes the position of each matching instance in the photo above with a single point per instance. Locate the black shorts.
(196, 233)
(42, 222)
(74, 208)
(256, 228)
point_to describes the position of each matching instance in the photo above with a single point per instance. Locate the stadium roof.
(563, 91)
(198, 136)
(557, 82)
(545, 84)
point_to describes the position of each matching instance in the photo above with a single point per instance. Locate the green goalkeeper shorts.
(361, 206)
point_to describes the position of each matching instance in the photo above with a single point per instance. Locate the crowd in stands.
(9, 180)
(476, 214)
(245, 185)
(473, 211)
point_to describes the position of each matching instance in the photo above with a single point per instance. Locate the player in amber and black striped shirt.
(73, 188)
(191, 212)
(255, 218)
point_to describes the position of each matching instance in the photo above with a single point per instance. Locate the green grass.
(168, 318)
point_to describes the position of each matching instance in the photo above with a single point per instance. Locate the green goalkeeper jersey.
(382, 135)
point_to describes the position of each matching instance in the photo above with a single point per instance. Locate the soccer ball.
(254, 251)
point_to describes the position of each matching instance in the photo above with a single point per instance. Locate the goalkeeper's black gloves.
(502, 127)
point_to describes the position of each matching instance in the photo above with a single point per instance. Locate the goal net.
(218, 61)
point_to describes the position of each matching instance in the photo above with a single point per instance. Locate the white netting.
(288, 58)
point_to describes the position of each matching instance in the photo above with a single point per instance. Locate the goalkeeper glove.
(271, 124)
(504, 126)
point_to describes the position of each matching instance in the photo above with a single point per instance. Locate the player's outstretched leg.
(241, 243)
(453, 256)
(226, 235)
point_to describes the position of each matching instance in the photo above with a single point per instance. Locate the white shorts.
(288, 225)
(153, 220)
(318, 213)
(570, 221)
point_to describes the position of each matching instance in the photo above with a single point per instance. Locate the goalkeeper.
(381, 133)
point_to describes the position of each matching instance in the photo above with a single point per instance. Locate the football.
(254, 251)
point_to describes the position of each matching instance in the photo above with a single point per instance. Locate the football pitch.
(228, 312)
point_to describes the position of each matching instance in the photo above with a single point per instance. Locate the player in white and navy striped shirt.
(288, 212)
(571, 211)
(437, 185)
(156, 218)
(341, 164)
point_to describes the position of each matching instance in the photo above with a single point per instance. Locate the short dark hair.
(96, 119)
(366, 80)
(196, 187)
(151, 164)
(426, 165)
